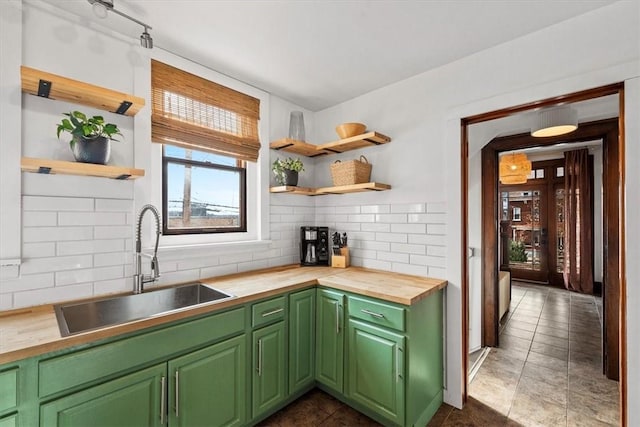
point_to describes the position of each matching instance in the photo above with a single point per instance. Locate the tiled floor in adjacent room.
(547, 372)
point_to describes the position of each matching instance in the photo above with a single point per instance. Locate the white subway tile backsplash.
(56, 234)
(89, 247)
(347, 226)
(113, 232)
(6, 301)
(283, 260)
(114, 258)
(391, 218)
(431, 261)
(279, 209)
(252, 265)
(27, 282)
(408, 208)
(360, 235)
(427, 239)
(408, 248)
(393, 256)
(376, 227)
(374, 263)
(60, 263)
(437, 272)
(44, 203)
(39, 219)
(38, 250)
(428, 218)
(72, 277)
(362, 253)
(190, 264)
(436, 229)
(180, 276)
(113, 286)
(52, 295)
(361, 218)
(347, 209)
(320, 210)
(436, 251)
(114, 205)
(416, 270)
(409, 228)
(236, 258)
(92, 218)
(418, 259)
(371, 245)
(220, 270)
(304, 210)
(271, 253)
(391, 237)
(9, 272)
(375, 209)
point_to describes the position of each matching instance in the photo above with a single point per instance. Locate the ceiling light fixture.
(514, 168)
(100, 9)
(555, 121)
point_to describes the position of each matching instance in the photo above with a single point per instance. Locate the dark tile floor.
(547, 372)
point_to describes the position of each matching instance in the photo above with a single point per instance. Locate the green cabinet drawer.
(71, 370)
(378, 313)
(267, 312)
(10, 421)
(8, 389)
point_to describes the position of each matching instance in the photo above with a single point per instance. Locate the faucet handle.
(155, 267)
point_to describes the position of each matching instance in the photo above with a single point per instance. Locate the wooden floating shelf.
(47, 166)
(47, 85)
(311, 150)
(342, 189)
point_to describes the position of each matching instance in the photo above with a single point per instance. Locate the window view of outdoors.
(203, 191)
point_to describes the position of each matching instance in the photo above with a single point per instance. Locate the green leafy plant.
(289, 164)
(517, 252)
(79, 125)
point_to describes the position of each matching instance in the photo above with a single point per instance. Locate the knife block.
(342, 260)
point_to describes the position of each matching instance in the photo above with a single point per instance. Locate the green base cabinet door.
(330, 339)
(302, 345)
(9, 421)
(376, 370)
(207, 387)
(269, 375)
(133, 400)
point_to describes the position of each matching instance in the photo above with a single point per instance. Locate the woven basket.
(351, 172)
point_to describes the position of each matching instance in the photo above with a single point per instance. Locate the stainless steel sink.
(88, 315)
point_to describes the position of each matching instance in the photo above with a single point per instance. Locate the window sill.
(175, 252)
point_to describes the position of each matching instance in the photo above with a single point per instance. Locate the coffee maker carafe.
(314, 245)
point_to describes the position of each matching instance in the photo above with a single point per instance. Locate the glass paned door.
(525, 208)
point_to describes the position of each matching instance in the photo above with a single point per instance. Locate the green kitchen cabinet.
(375, 376)
(302, 345)
(208, 386)
(9, 421)
(330, 339)
(269, 364)
(136, 399)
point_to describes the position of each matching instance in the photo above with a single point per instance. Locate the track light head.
(145, 39)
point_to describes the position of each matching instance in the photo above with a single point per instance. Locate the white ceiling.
(318, 53)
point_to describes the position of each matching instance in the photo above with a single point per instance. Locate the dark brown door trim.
(489, 165)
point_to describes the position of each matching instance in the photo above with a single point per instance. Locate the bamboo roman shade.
(195, 113)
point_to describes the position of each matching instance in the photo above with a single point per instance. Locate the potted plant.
(286, 171)
(91, 137)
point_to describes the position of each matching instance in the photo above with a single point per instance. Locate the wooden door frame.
(491, 167)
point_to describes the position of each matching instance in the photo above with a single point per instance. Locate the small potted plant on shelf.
(286, 171)
(91, 137)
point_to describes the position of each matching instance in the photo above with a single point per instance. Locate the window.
(208, 133)
(202, 192)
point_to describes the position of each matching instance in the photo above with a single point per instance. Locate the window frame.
(240, 167)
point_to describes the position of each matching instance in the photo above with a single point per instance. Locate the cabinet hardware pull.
(177, 392)
(371, 313)
(398, 373)
(260, 357)
(163, 398)
(269, 313)
(337, 318)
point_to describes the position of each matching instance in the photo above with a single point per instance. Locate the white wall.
(422, 115)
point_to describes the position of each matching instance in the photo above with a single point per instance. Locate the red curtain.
(578, 248)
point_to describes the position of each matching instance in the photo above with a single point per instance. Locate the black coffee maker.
(314, 245)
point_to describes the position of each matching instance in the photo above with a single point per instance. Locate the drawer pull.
(163, 399)
(177, 402)
(260, 357)
(269, 313)
(398, 373)
(337, 318)
(371, 313)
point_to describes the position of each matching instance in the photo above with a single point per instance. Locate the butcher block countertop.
(34, 331)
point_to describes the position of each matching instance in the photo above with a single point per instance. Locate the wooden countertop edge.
(424, 287)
